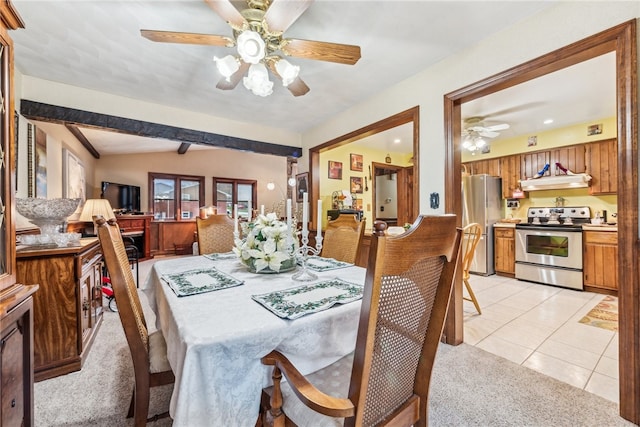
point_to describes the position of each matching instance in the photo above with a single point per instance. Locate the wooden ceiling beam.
(33, 110)
(83, 140)
(183, 147)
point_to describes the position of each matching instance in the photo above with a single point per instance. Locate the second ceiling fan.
(258, 36)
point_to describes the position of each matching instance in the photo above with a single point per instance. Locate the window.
(176, 197)
(228, 192)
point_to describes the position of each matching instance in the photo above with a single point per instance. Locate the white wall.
(551, 29)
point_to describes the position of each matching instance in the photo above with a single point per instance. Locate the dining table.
(216, 338)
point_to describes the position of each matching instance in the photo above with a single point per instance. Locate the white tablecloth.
(215, 340)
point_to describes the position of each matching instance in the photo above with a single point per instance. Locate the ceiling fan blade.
(298, 87)
(282, 13)
(502, 126)
(187, 38)
(228, 12)
(488, 134)
(234, 79)
(322, 51)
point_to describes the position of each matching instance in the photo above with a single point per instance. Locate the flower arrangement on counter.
(269, 245)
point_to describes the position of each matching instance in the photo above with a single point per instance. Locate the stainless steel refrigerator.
(482, 203)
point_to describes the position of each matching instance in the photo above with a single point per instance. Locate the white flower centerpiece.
(269, 246)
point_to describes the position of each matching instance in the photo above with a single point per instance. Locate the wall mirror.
(405, 123)
(620, 40)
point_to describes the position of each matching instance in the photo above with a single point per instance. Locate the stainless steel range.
(549, 246)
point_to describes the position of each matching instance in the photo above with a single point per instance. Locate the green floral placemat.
(221, 256)
(318, 263)
(302, 300)
(200, 280)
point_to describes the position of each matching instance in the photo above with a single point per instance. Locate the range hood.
(558, 182)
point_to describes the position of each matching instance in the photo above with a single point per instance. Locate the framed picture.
(356, 162)
(74, 181)
(356, 184)
(302, 185)
(594, 129)
(335, 170)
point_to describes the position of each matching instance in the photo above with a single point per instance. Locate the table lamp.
(96, 207)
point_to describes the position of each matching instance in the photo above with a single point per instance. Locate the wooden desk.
(215, 340)
(138, 227)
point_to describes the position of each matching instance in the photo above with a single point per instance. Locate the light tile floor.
(537, 326)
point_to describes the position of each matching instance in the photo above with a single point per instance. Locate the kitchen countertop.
(585, 227)
(599, 227)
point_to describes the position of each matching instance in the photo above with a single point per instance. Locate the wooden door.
(602, 158)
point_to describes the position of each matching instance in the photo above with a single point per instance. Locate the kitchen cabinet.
(68, 305)
(510, 167)
(572, 157)
(531, 163)
(505, 251)
(602, 165)
(488, 166)
(600, 261)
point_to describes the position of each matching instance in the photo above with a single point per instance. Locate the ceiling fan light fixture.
(227, 65)
(287, 71)
(251, 47)
(257, 80)
(480, 143)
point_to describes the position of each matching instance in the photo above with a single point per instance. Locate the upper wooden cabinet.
(572, 158)
(602, 158)
(488, 166)
(510, 167)
(532, 163)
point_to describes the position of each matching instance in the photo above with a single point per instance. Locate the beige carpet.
(470, 387)
(604, 314)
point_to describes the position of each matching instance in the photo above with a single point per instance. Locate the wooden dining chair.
(342, 238)
(386, 380)
(215, 234)
(148, 351)
(470, 238)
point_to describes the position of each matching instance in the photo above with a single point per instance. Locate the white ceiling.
(97, 45)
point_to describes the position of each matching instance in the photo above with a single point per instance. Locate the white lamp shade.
(227, 65)
(96, 207)
(257, 80)
(287, 71)
(251, 47)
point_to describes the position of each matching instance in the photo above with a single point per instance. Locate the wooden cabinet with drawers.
(68, 305)
(505, 251)
(600, 261)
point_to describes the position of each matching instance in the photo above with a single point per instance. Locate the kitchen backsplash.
(574, 197)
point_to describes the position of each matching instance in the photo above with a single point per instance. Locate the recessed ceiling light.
(396, 141)
(548, 121)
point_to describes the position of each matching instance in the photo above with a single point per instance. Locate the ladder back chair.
(342, 238)
(470, 238)
(386, 380)
(215, 234)
(148, 351)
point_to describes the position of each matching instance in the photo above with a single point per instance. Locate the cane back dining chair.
(342, 238)
(215, 234)
(148, 351)
(406, 294)
(470, 238)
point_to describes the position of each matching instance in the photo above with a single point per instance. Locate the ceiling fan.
(474, 133)
(258, 35)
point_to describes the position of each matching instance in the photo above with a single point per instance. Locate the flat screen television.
(122, 197)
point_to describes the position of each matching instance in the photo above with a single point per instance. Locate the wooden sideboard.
(68, 306)
(172, 237)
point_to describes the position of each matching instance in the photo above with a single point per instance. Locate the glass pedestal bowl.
(48, 214)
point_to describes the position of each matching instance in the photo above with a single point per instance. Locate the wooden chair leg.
(141, 410)
(275, 416)
(472, 296)
(132, 404)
